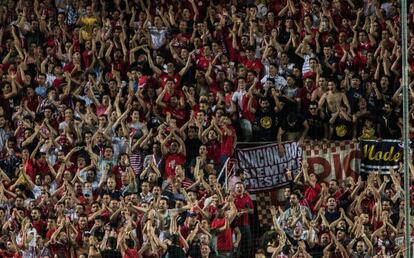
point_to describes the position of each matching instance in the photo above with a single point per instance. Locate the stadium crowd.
(116, 117)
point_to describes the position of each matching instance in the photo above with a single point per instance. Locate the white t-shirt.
(238, 98)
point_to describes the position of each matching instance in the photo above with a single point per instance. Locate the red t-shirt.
(40, 227)
(185, 230)
(178, 113)
(339, 51)
(58, 82)
(175, 92)
(6, 254)
(117, 172)
(131, 253)
(172, 160)
(120, 66)
(363, 48)
(32, 102)
(61, 250)
(41, 168)
(213, 150)
(246, 113)
(311, 195)
(241, 203)
(203, 63)
(50, 232)
(305, 95)
(255, 64)
(68, 67)
(224, 239)
(86, 57)
(30, 170)
(71, 167)
(226, 148)
(181, 40)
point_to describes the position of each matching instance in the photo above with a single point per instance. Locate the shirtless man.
(321, 88)
(333, 98)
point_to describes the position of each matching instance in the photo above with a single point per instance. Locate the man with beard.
(363, 248)
(164, 215)
(388, 123)
(295, 208)
(155, 157)
(4, 132)
(82, 227)
(331, 211)
(266, 121)
(334, 190)
(37, 222)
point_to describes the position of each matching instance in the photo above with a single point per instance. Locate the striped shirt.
(136, 162)
(306, 66)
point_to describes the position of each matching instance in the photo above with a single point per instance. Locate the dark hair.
(314, 58)
(296, 192)
(253, 72)
(130, 243)
(239, 171)
(292, 117)
(331, 197)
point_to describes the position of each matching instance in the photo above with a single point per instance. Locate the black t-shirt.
(192, 146)
(195, 249)
(342, 129)
(332, 61)
(293, 128)
(265, 126)
(353, 98)
(389, 127)
(316, 251)
(111, 254)
(295, 243)
(174, 251)
(316, 128)
(332, 216)
(203, 165)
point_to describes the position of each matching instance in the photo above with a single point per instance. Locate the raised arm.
(153, 67)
